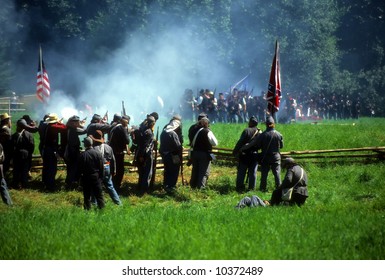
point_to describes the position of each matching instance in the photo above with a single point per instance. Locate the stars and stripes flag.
(42, 87)
(273, 96)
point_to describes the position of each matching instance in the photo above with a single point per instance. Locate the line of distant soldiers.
(227, 108)
(240, 105)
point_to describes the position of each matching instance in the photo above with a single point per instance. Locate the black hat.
(253, 121)
(96, 118)
(117, 118)
(28, 119)
(155, 115)
(270, 120)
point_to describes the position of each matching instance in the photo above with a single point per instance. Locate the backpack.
(137, 133)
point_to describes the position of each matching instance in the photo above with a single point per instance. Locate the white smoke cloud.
(144, 71)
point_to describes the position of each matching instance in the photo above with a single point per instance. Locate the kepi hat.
(288, 162)
(253, 121)
(87, 142)
(117, 118)
(74, 118)
(155, 115)
(96, 118)
(21, 123)
(270, 120)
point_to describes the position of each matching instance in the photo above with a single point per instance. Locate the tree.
(363, 45)
(7, 43)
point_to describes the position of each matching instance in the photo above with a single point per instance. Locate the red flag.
(105, 117)
(273, 96)
(42, 87)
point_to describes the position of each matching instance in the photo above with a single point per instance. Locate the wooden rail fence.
(224, 156)
(312, 155)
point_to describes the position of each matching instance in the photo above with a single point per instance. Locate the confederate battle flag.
(273, 96)
(42, 86)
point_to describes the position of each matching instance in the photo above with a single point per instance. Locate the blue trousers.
(4, 192)
(107, 181)
(253, 201)
(275, 169)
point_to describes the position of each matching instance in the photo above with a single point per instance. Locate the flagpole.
(41, 74)
(274, 89)
(277, 78)
(40, 58)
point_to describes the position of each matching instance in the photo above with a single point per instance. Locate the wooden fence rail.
(332, 154)
(11, 107)
(225, 156)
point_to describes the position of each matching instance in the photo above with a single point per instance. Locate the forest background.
(161, 47)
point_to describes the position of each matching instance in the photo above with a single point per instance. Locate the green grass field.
(342, 219)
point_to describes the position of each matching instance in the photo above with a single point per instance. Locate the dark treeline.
(333, 47)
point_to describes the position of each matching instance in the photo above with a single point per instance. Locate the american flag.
(273, 96)
(42, 87)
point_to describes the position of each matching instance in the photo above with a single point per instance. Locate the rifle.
(83, 122)
(184, 182)
(123, 109)
(155, 159)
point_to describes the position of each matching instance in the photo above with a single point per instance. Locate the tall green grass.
(342, 219)
(365, 132)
